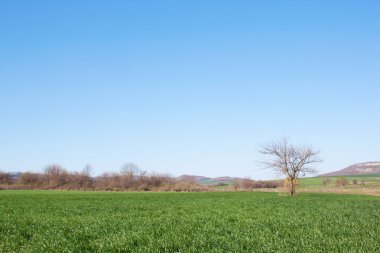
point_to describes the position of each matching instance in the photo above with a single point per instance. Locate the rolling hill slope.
(356, 169)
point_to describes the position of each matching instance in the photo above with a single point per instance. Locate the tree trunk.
(292, 186)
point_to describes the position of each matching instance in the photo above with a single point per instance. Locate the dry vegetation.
(130, 178)
(373, 191)
(249, 184)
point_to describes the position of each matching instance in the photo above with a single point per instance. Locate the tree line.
(129, 178)
(342, 181)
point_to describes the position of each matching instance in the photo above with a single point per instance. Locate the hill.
(357, 169)
(208, 180)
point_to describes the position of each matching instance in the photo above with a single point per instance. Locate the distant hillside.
(208, 180)
(15, 175)
(357, 169)
(190, 178)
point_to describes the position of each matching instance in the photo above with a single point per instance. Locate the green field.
(55, 221)
(369, 179)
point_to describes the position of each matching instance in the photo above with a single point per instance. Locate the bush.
(56, 176)
(342, 181)
(5, 178)
(248, 184)
(31, 180)
(326, 181)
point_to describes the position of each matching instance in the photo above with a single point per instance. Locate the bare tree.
(292, 161)
(83, 179)
(129, 173)
(342, 181)
(5, 178)
(130, 169)
(87, 170)
(56, 176)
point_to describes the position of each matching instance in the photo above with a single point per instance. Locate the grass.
(55, 221)
(371, 180)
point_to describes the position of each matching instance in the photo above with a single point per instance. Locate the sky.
(187, 87)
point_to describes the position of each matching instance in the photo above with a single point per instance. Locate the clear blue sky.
(187, 86)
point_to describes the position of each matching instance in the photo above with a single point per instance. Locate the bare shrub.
(266, 184)
(247, 184)
(128, 174)
(342, 181)
(156, 180)
(79, 181)
(326, 181)
(236, 185)
(56, 176)
(5, 178)
(109, 182)
(186, 187)
(31, 180)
